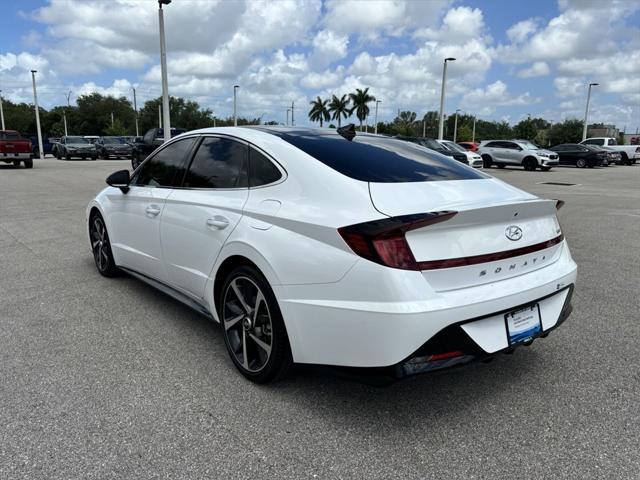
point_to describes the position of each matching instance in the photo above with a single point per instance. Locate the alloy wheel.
(247, 324)
(100, 244)
(581, 163)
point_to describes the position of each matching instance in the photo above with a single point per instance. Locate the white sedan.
(325, 247)
(473, 158)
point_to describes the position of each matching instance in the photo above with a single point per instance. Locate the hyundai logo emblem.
(513, 233)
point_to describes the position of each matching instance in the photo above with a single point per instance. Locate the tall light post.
(235, 105)
(444, 80)
(1, 111)
(473, 133)
(163, 67)
(35, 102)
(586, 111)
(292, 121)
(455, 127)
(375, 130)
(64, 113)
(135, 110)
(288, 110)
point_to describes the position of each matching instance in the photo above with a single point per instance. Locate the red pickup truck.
(15, 149)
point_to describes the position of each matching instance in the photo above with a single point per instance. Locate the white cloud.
(519, 32)
(458, 25)
(328, 46)
(538, 69)
(495, 94)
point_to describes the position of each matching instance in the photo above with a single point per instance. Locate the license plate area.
(523, 324)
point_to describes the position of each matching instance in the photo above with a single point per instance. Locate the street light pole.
(292, 121)
(1, 111)
(159, 116)
(64, 114)
(473, 133)
(235, 105)
(288, 110)
(163, 67)
(375, 130)
(444, 80)
(586, 111)
(455, 127)
(35, 102)
(135, 109)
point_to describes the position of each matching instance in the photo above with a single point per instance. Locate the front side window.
(261, 170)
(218, 163)
(166, 167)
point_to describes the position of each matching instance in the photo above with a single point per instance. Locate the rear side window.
(596, 141)
(165, 168)
(493, 144)
(261, 170)
(218, 163)
(372, 158)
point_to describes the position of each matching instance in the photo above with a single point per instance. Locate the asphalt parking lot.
(110, 379)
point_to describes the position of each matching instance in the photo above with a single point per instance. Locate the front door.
(135, 216)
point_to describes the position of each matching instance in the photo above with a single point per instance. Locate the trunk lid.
(498, 232)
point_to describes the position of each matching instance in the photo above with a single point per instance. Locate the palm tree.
(340, 108)
(319, 110)
(360, 99)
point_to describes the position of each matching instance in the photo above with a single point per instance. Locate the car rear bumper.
(378, 317)
(10, 157)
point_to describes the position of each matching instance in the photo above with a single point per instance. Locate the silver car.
(516, 152)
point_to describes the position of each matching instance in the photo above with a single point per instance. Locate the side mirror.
(119, 179)
(519, 149)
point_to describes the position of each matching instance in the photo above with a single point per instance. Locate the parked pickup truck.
(151, 140)
(15, 149)
(630, 153)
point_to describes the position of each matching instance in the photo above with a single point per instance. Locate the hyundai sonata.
(331, 247)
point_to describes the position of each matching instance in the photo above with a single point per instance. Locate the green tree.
(464, 133)
(116, 130)
(93, 114)
(360, 99)
(339, 107)
(319, 111)
(569, 131)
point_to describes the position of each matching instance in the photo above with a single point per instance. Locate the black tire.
(530, 164)
(486, 161)
(101, 247)
(625, 159)
(28, 163)
(545, 169)
(252, 326)
(581, 163)
(16, 163)
(67, 156)
(94, 157)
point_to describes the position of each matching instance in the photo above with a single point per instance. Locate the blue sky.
(514, 58)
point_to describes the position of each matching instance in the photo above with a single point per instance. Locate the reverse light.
(383, 241)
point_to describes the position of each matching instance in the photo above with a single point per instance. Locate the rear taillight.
(383, 241)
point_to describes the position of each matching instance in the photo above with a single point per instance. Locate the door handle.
(218, 222)
(152, 210)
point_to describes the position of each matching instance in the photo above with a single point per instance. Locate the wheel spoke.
(261, 344)
(241, 299)
(245, 360)
(259, 300)
(230, 323)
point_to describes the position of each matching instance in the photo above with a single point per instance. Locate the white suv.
(516, 152)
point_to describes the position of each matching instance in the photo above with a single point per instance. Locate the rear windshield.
(372, 158)
(10, 136)
(114, 140)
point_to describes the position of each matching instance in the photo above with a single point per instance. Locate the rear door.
(200, 215)
(134, 219)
